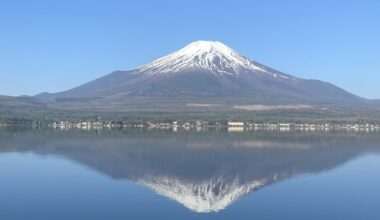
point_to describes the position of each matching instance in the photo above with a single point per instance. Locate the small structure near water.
(235, 124)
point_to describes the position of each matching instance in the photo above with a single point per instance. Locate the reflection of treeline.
(204, 135)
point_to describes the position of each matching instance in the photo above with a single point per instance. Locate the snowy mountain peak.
(203, 55)
(207, 47)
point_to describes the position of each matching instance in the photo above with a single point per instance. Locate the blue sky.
(56, 45)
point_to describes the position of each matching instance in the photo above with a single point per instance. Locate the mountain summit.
(203, 55)
(203, 74)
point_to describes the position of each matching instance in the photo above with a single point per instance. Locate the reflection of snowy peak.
(204, 196)
(205, 172)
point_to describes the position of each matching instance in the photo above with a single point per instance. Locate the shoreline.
(231, 126)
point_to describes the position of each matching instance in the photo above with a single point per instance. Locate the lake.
(162, 174)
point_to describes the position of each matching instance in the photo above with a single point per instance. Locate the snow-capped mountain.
(205, 72)
(205, 56)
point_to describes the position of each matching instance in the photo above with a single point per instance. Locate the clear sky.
(56, 45)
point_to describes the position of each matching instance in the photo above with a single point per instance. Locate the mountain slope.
(202, 72)
(23, 102)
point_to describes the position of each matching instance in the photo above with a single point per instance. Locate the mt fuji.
(203, 74)
(204, 55)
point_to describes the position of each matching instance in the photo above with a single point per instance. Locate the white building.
(235, 124)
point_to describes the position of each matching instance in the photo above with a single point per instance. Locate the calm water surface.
(138, 174)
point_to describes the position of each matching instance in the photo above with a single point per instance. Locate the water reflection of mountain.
(203, 171)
